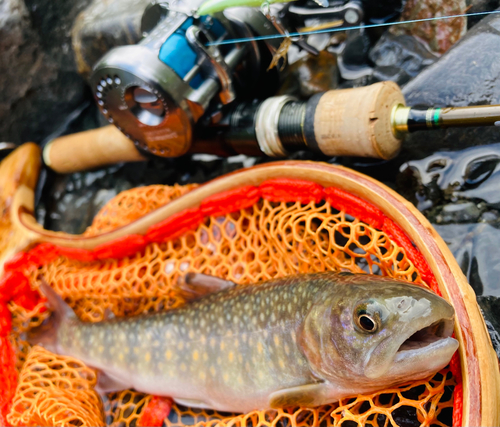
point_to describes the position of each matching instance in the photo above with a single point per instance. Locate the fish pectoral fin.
(192, 403)
(308, 395)
(196, 285)
(106, 383)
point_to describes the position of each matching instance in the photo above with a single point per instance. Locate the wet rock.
(472, 174)
(439, 35)
(69, 202)
(399, 58)
(382, 11)
(466, 75)
(104, 25)
(310, 75)
(475, 247)
(475, 6)
(38, 78)
(490, 307)
(460, 212)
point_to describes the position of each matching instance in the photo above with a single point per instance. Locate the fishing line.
(357, 27)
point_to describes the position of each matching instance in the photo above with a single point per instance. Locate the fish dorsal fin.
(307, 395)
(56, 303)
(196, 285)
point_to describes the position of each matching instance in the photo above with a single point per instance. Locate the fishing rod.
(369, 121)
(185, 88)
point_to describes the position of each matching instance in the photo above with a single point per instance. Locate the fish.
(303, 340)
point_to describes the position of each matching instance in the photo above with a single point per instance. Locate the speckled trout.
(302, 340)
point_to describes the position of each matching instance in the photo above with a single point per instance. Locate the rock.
(310, 75)
(475, 6)
(490, 307)
(38, 80)
(475, 247)
(438, 35)
(399, 58)
(466, 75)
(472, 174)
(104, 25)
(460, 212)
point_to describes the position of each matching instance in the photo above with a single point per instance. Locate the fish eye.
(367, 322)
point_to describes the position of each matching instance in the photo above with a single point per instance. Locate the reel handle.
(90, 149)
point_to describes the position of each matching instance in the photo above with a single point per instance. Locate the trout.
(303, 340)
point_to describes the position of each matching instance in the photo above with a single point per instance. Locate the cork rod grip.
(357, 122)
(90, 149)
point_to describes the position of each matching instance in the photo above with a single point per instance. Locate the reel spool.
(155, 91)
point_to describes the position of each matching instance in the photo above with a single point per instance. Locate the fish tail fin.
(46, 333)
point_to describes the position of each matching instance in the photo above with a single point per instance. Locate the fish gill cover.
(290, 229)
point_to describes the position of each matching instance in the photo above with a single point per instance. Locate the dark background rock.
(104, 25)
(490, 307)
(475, 6)
(39, 83)
(469, 74)
(475, 246)
(399, 58)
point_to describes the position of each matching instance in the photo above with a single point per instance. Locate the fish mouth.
(433, 340)
(428, 336)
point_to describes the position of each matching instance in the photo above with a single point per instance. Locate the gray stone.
(399, 58)
(104, 25)
(469, 74)
(38, 80)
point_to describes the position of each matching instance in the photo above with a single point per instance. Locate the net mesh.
(263, 241)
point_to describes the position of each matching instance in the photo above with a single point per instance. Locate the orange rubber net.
(246, 235)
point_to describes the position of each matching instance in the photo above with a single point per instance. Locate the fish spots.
(136, 350)
(100, 349)
(261, 316)
(191, 334)
(168, 355)
(226, 377)
(202, 375)
(205, 357)
(203, 339)
(180, 345)
(260, 348)
(222, 345)
(287, 349)
(147, 356)
(156, 343)
(183, 367)
(196, 355)
(213, 371)
(276, 340)
(212, 342)
(121, 357)
(281, 363)
(230, 356)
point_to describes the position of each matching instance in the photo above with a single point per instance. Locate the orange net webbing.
(132, 204)
(255, 242)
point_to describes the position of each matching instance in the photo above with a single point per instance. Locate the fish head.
(379, 331)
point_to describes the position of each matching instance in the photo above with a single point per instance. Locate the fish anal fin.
(307, 395)
(107, 383)
(196, 285)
